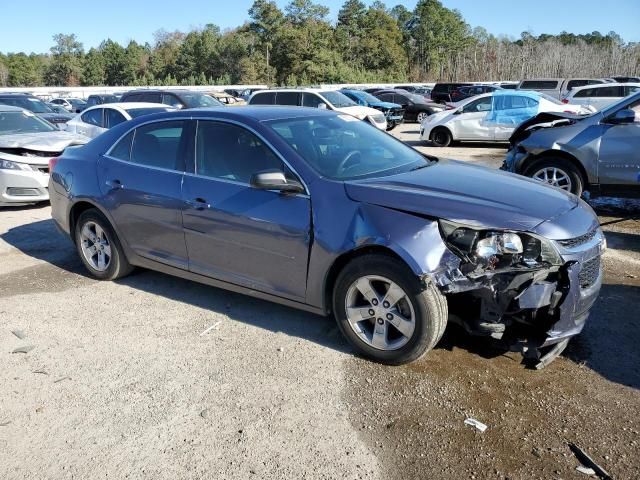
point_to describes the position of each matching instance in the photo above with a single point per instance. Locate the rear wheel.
(421, 116)
(441, 137)
(99, 247)
(558, 172)
(384, 311)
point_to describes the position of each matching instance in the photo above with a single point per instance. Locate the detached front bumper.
(21, 187)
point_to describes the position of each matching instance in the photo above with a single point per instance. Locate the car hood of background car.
(359, 111)
(543, 120)
(45, 142)
(56, 117)
(388, 105)
(470, 195)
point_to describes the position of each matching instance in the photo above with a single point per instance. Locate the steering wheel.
(343, 166)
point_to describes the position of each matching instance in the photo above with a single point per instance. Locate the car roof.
(129, 105)
(259, 112)
(163, 90)
(604, 85)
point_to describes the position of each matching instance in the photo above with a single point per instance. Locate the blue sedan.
(319, 211)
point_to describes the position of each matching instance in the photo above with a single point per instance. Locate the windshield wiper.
(419, 167)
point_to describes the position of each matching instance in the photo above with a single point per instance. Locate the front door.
(619, 159)
(471, 123)
(141, 180)
(255, 238)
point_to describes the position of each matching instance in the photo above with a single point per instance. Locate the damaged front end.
(529, 293)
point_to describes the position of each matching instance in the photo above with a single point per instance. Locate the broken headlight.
(498, 249)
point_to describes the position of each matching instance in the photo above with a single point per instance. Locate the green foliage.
(298, 45)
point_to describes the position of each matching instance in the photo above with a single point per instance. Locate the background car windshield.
(342, 147)
(34, 105)
(367, 97)
(20, 122)
(337, 99)
(138, 112)
(195, 100)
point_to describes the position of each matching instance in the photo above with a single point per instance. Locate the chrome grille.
(589, 273)
(577, 241)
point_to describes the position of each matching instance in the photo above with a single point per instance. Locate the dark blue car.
(392, 111)
(322, 212)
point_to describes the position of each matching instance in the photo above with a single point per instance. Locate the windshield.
(415, 98)
(34, 105)
(337, 99)
(365, 96)
(139, 112)
(195, 100)
(21, 122)
(342, 147)
(77, 102)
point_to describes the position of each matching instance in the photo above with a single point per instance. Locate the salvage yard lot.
(157, 377)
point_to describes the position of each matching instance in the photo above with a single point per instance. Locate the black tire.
(562, 164)
(429, 305)
(118, 265)
(391, 127)
(441, 137)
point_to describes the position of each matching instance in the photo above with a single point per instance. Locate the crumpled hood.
(43, 141)
(359, 111)
(543, 120)
(466, 194)
(387, 105)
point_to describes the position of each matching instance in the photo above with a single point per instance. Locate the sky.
(29, 25)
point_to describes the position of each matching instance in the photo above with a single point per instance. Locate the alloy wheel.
(95, 245)
(554, 176)
(421, 117)
(380, 313)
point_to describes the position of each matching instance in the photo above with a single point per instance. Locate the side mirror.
(458, 111)
(622, 117)
(275, 180)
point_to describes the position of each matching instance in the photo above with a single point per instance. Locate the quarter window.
(113, 117)
(93, 117)
(122, 149)
(231, 152)
(158, 144)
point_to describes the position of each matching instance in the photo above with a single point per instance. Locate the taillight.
(564, 100)
(52, 163)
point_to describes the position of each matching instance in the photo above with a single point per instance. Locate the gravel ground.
(122, 381)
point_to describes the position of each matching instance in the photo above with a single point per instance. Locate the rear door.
(92, 123)
(141, 181)
(619, 159)
(255, 238)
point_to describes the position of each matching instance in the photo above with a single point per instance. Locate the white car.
(319, 98)
(491, 117)
(100, 118)
(600, 96)
(27, 143)
(73, 105)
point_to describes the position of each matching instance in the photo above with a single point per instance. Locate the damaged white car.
(27, 143)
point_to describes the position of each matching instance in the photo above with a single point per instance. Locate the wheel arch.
(442, 127)
(548, 154)
(81, 206)
(345, 258)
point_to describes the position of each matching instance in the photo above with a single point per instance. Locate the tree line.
(300, 46)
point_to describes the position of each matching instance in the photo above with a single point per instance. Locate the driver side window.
(230, 152)
(480, 105)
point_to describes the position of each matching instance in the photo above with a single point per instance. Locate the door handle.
(198, 203)
(114, 184)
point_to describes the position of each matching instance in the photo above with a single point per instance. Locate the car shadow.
(608, 344)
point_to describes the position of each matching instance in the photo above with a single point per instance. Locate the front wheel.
(558, 172)
(421, 117)
(99, 247)
(384, 311)
(441, 137)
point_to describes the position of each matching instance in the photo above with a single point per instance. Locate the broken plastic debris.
(475, 423)
(25, 349)
(585, 470)
(19, 333)
(210, 328)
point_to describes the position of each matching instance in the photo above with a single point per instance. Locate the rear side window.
(132, 97)
(266, 98)
(609, 91)
(122, 149)
(440, 87)
(287, 98)
(585, 93)
(386, 97)
(158, 144)
(93, 117)
(512, 102)
(152, 97)
(311, 100)
(629, 89)
(113, 117)
(539, 84)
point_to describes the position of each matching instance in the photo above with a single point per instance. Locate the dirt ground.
(123, 381)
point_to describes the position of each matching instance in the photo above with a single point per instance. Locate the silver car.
(599, 154)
